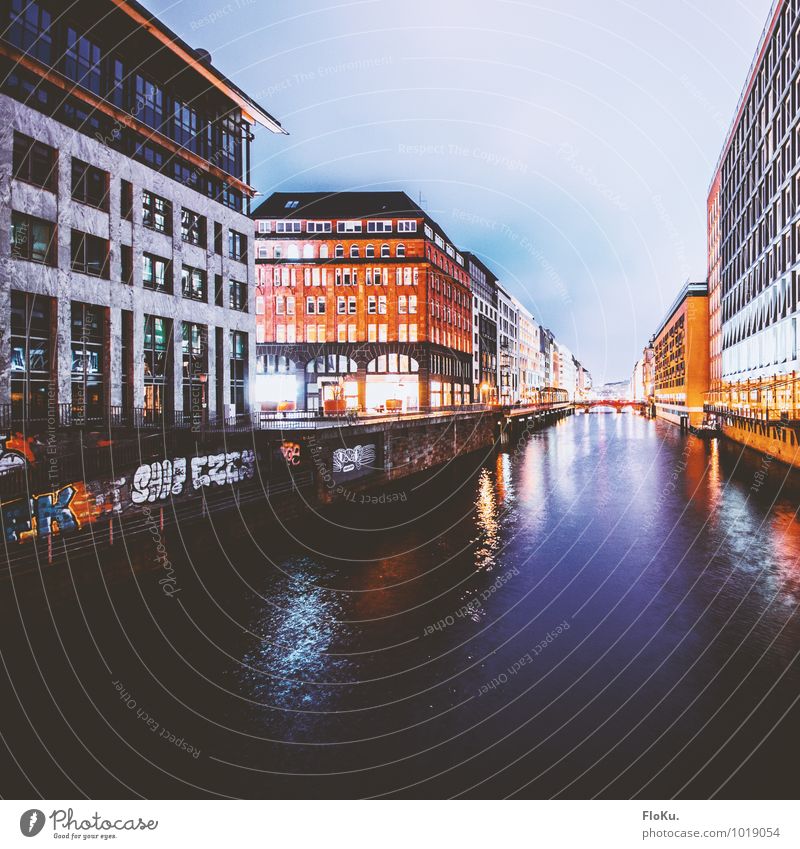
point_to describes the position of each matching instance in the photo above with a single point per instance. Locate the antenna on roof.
(422, 202)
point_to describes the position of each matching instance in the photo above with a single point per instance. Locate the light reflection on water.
(651, 545)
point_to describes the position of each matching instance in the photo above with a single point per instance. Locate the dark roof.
(338, 205)
(259, 113)
(491, 277)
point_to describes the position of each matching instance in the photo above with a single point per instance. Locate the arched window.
(370, 251)
(385, 250)
(292, 252)
(353, 251)
(401, 250)
(339, 252)
(323, 251)
(308, 252)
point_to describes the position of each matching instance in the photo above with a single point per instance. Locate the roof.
(690, 289)
(340, 205)
(469, 256)
(199, 62)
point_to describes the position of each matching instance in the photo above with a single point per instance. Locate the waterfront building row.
(364, 302)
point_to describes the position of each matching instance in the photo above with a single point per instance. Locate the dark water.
(607, 609)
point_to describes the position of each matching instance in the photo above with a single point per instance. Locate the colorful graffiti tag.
(68, 508)
(74, 505)
(15, 452)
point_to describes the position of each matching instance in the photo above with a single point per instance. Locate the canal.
(606, 608)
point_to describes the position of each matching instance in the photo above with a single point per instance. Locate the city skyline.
(567, 214)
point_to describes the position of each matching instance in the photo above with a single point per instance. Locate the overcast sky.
(569, 143)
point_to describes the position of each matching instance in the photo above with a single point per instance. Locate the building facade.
(129, 273)
(484, 330)
(507, 346)
(754, 232)
(681, 357)
(362, 303)
(530, 372)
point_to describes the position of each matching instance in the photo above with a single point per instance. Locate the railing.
(67, 416)
(788, 417)
(135, 418)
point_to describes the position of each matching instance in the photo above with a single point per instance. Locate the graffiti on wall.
(75, 505)
(353, 462)
(16, 452)
(166, 478)
(68, 508)
(290, 451)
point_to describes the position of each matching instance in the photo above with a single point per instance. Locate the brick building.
(362, 301)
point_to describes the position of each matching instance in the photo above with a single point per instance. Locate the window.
(311, 333)
(156, 213)
(291, 333)
(382, 332)
(323, 251)
(412, 303)
(126, 200)
(89, 254)
(280, 333)
(126, 263)
(238, 371)
(320, 333)
(260, 305)
(352, 305)
(87, 360)
(193, 283)
(407, 226)
(194, 350)
(264, 226)
(320, 306)
(318, 226)
(30, 364)
(402, 305)
(402, 333)
(193, 227)
(341, 333)
(379, 226)
(377, 276)
(157, 363)
(30, 30)
(370, 251)
(149, 106)
(341, 305)
(372, 333)
(385, 251)
(82, 61)
(237, 246)
(381, 304)
(311, 305)
(156, 273)
(33, 239)
(237, 296)
(280, 305)
(339, 251)
(400, 250)
(263, 252)
(218, 238)
(89, 185)
(35, 162)
(372, 305)
(348, 226)
(351, 333)
(354, 251)
(412, 332)
(288, 226)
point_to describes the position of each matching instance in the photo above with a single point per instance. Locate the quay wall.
(774, 439)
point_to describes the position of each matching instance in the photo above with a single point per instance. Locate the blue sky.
(570, 143)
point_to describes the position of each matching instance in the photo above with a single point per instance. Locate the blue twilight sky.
(569, 143)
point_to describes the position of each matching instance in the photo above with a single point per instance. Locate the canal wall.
(777, 440)
(98, 489)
